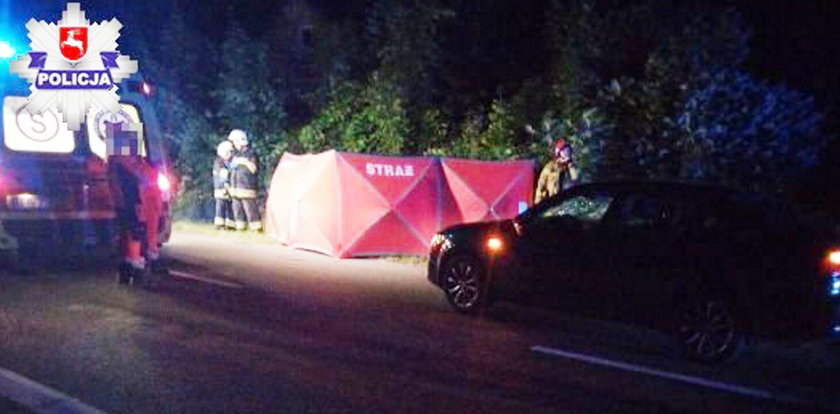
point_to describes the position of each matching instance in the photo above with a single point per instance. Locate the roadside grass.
(407, 260)
(209, 229)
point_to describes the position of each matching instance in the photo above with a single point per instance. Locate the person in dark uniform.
(244, 173)
(221, 186)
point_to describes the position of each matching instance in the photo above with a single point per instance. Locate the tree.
(649, 90)
(248, 97)
(686, 110)
(360, 118)
(749, 133)
(404, 36)
(180, 98)
(381, 124)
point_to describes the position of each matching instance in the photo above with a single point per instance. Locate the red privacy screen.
(346, 205)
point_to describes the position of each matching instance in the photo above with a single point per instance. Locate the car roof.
(665, 187)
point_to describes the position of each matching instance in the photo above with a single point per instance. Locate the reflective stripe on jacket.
(245, 170)
(221, 179)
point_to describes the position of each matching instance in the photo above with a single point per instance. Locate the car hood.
(479, 228)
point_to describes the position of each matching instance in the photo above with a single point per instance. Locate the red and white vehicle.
(54, 193)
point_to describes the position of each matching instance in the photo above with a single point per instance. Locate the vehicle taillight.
(831, 260)
(8, 184)
(832, 264)
(834, 257)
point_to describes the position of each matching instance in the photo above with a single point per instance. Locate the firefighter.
(138, 202)
(221, 186)
(244, 173)
(558, 173)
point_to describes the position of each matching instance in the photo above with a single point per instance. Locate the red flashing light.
(834, 257)
(831, 260)
(163, 182)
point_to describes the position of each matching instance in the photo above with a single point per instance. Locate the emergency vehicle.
(54, 192)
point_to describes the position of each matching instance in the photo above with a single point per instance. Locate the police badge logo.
(74, 66)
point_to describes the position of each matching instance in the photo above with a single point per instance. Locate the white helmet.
(238, 137)
(224, 149)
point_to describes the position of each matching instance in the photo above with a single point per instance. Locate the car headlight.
(494, 244)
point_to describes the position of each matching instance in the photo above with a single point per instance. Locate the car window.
(648, 211)
(584, 207)
(97, 121)
(39, 133)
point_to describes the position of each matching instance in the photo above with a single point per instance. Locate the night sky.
(797, 42)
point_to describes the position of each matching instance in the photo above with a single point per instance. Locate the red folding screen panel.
(346, 205)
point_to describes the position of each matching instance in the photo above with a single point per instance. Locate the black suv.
(709, 264)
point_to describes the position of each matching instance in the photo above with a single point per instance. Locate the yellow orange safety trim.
(250, 165)
(243, 193)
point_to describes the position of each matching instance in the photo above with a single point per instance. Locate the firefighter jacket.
(221, 179)
(554, 177)
(244, 169)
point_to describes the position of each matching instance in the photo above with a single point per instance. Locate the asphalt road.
(249, 327)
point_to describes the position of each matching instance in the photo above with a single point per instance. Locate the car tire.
(463, 282)
(709, 330)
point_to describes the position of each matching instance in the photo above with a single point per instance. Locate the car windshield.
(585, 207)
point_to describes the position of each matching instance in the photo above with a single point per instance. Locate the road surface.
(253, 327)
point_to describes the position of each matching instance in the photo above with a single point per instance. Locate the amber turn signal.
(494, 244)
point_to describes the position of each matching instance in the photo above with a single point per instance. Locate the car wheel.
(708, 331)
(463, 278)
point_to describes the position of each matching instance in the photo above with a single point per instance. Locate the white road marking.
(185, 275)
(688, 379)
(40, 398)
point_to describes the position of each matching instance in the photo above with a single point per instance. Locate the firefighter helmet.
(238, 137)
(224, 149)
(559, 146)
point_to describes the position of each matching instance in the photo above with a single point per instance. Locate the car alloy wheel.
(462, 278)
(708, 331)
